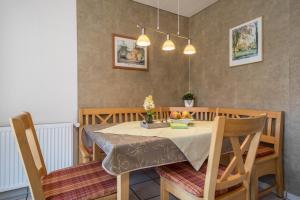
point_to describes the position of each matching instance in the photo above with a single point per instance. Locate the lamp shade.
(189, 49)
(168, 44)
(143, 40)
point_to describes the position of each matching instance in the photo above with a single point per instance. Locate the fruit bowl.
(182, 121)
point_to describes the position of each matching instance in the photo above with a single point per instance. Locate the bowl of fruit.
(181, 118)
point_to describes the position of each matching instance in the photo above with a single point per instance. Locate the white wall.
(38, 59)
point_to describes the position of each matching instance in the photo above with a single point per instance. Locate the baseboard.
(287, 195)
(15, 194)
(292, 196)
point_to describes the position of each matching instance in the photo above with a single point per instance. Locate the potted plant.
(188, 99)
(149, 107)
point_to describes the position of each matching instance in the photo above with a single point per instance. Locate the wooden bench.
(264, 165)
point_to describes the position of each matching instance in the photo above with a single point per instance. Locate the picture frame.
(246, 43)
(128, 55)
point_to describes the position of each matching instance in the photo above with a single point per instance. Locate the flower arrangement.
(149, 107)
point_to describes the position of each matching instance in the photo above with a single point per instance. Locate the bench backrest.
(92, 116)
(273, 130)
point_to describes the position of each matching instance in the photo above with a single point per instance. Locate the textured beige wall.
(99, 84)
(292, 139)
(271, 84)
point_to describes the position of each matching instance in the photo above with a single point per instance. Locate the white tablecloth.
(194, 142)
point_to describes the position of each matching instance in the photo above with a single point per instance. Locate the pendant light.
(189, 48)
(143, 39)
(168, 44)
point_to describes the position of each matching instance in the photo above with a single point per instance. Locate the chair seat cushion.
(85, 181)
(264, 151)
(188, 178)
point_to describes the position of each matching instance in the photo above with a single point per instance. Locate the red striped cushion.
(188, 178)
(82, 182)
(264, 151)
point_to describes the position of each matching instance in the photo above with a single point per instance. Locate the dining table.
(130, 147)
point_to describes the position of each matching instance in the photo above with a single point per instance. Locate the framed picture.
(245, 43)
(127, 55)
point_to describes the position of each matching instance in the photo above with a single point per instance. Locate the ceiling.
(188, 8)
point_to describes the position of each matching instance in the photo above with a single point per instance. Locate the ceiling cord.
(157, 27)
(189, 73)
(178, 33)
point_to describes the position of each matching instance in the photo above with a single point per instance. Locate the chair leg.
(164, 194)
(279, 178)
(254, 186)
(83, 158)
(123, 186)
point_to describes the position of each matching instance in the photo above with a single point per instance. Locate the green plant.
(188, 96)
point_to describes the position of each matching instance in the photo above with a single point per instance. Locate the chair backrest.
(198, 113)
(273, 129)
(238, 171)
(30, 152)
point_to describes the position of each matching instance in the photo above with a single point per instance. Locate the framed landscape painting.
(127, 55)
(245, 43)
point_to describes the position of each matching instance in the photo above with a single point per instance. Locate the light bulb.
(189, 49)
(168, 44)
(143, 39)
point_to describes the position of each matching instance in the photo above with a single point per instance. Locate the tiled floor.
(144, 185)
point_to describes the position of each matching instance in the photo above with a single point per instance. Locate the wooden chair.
(86, 181)
(213, 181)
(93, 116)
(269, 154)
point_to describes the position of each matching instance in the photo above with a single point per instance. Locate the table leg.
(123, 186)
(97, 155)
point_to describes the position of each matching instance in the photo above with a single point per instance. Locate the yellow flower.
(149, 103)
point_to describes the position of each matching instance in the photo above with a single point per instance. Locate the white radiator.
(56, 141)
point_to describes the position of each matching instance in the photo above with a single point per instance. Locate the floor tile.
(155, 198)
(132, 196)
(146, 190)
(158, 198)
(157, 180)
(271, 197)
(151, 173)
(138, 177)
(172, 198)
